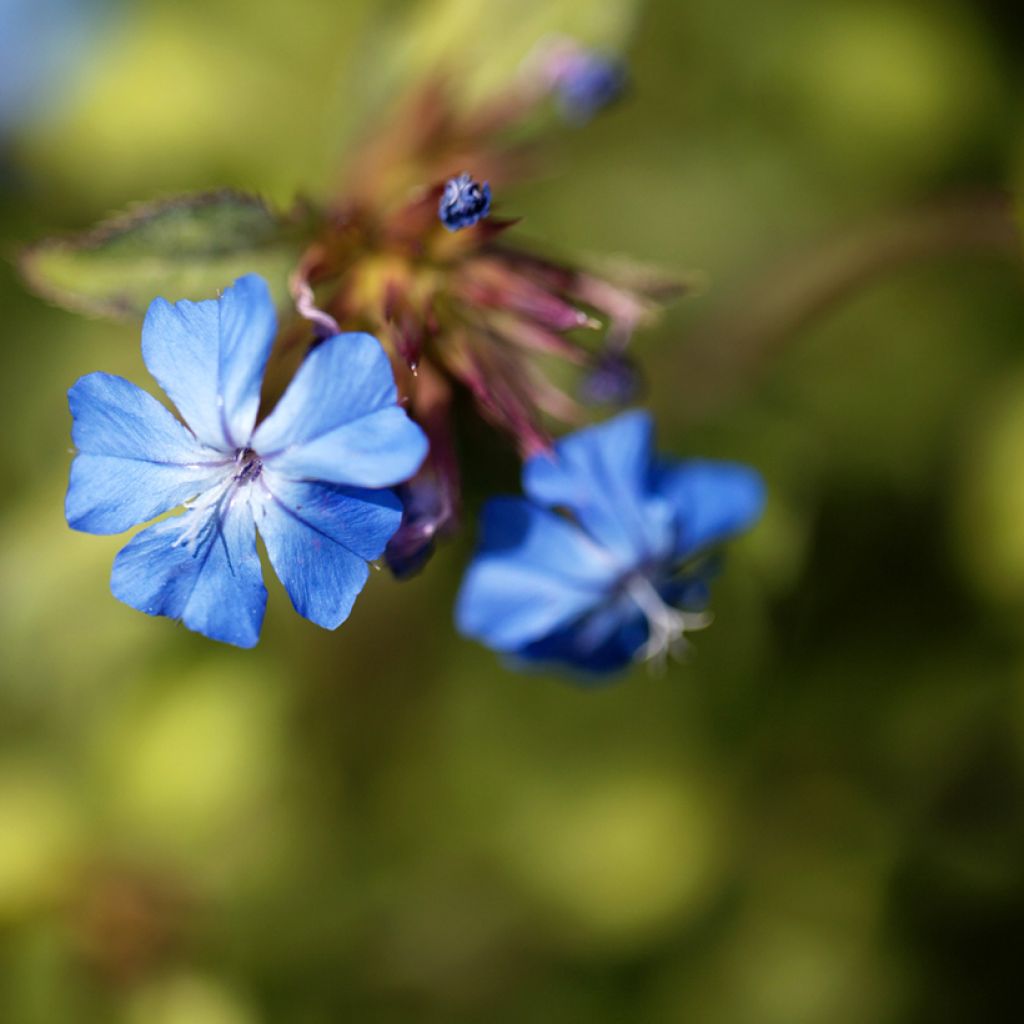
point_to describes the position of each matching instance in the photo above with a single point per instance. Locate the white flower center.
(202, 510)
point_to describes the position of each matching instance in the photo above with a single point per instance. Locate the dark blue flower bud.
(463, 202)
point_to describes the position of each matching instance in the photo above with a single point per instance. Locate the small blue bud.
(463, 202)
(614, 380)
(587, 83)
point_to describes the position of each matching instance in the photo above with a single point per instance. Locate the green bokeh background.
(817, 818)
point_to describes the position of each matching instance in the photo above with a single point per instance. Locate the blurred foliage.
(185, 246)
(819, 817)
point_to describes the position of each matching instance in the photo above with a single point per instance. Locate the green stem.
(725, 353)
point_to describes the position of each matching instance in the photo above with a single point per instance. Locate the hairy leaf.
(186, 247)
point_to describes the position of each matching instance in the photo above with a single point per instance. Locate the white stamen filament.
(195, 517)
(666, 626)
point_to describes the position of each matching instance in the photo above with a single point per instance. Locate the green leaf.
(187, 247)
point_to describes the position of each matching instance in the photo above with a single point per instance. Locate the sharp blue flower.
(311, 477)
(463, 202)
(606, 559)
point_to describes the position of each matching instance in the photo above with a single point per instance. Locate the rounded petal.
(338, 421)
(214, 586)
(209, 358)
(533, 573)
(135, 460)
(319, 537)
(602, 474)
(713, 501)
(378, 450)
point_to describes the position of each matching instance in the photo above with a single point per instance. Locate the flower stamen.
(666, 626)
(249, 464)
(200, 512)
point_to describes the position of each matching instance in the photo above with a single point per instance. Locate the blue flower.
(463, 202)
(587, 82)
(607, 561)
(308, 476)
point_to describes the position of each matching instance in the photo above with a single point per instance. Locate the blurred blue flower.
(613, 380)
(463, 202)
(307, 476)
(586, 82)
(606, 560)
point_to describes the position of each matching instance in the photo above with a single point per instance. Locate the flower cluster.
(407, 291)
(414, 254)
(459, 308)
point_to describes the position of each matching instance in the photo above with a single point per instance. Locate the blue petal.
(533, 573)
(576, 648)
(319, 537)
(602, 476)
(691, 592)
(135, 459)
(607, 640)
(210, 356)
(713, 501)
(214, 586)
(338, 421)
